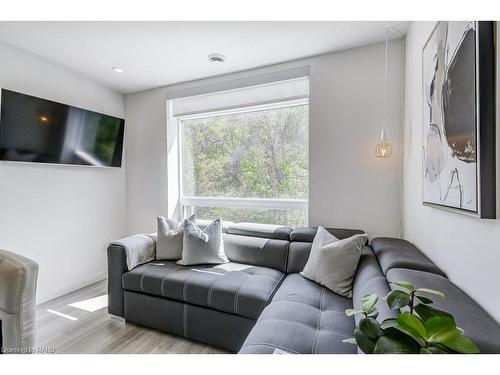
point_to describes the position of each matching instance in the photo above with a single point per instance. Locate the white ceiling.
(155, 54)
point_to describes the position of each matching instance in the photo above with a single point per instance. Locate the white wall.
(60, 216)
(466, 248)
(349, 187)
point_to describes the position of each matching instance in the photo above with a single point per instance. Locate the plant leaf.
(398, 299)
(424, 299)
(461, 344)
(440, 328)
(426, 312)
(389, 323)
(431, 291)
(443, 330)
(404, 284)
(370, 327)
(350, 312)
(369, 301)
(373, 314)
(366, 344)
(391, 345)
(413, 327)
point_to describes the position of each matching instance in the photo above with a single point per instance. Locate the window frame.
(187, 202)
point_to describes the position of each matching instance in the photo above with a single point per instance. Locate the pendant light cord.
(386, 74)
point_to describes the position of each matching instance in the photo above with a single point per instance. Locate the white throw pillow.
(333, 262)
(169, 238)
(202, 246)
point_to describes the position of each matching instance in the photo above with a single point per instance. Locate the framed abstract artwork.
(458, 132)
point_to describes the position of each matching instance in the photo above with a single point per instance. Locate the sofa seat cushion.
(303, 317)
(235, 288)
(478, 325)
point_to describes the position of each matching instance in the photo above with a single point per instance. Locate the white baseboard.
(68, 288)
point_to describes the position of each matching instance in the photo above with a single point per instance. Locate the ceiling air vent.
(216, 58)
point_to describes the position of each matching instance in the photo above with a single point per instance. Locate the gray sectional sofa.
(258, 303)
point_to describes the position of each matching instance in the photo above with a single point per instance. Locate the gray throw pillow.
(333, 262)
(202, 246)
(169, 238)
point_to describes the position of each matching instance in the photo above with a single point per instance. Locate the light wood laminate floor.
(80, 330)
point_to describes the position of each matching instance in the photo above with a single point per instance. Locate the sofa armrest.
(117, 266)
(139, 249)
(124, 255)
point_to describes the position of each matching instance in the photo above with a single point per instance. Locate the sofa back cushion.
(257, 251)
(258, 244)
(307, 234)
(369, 279)
(280, 247)
(276, 232)
(399, 253)
(301, 242)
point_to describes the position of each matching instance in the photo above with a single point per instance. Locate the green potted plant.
(418, 329)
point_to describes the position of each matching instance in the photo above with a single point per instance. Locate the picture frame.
(458, 118)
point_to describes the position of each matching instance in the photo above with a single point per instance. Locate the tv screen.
(42, 131)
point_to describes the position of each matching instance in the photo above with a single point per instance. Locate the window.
(247, 163)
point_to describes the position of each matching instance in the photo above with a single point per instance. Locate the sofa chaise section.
(303, 318)
(306, 318)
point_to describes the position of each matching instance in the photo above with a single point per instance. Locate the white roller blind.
(292, 89)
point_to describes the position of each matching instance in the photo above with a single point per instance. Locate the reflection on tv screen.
(42, 131)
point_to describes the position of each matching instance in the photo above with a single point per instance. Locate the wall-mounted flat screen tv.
(42, 131)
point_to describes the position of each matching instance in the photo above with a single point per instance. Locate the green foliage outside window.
(260, 154)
